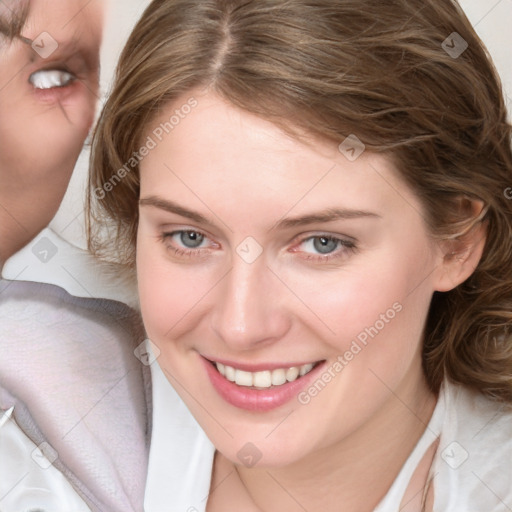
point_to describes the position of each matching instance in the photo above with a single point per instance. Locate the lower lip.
(255, 399)
(63, 94)
(54, 93)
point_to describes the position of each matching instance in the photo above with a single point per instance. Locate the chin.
(261, 450)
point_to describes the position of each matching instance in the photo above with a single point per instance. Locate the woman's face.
(260, 258)
(48, 93)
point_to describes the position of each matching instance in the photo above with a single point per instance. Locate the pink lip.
(254, 399)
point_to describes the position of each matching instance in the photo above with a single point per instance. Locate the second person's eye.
(51, 78)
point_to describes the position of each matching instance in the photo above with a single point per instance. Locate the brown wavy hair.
(384, 70)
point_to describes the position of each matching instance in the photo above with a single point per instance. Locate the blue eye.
(189, 239)
(324, 248)
(322, 244)
(51, 78)
(188, 243)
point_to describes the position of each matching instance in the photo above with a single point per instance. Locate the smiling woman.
(322, 246)
(48, 92)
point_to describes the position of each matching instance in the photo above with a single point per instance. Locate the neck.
(354, 474)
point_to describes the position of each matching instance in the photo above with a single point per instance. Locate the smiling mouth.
(264, 379)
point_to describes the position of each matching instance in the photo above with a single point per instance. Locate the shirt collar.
(50, 259)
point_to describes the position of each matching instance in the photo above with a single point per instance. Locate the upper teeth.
(263, 379)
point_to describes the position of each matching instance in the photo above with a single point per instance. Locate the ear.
(460, 255)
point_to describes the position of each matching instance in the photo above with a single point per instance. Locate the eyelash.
(345, 246)
(180, 251)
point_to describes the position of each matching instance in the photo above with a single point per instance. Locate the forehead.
(219, 156)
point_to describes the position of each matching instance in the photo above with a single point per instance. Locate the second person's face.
(48, 95)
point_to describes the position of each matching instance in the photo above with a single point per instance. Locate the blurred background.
(492, 20)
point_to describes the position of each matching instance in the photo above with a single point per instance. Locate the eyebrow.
(171, 207)
(329, 215)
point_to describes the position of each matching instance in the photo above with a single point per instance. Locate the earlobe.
(460, 257)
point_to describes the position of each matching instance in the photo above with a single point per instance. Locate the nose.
(250, 309)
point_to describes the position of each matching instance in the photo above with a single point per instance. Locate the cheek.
(357, 302)
(384, 297)
(79, 104)
(43, 136)
(64, 123)
(170, 295)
